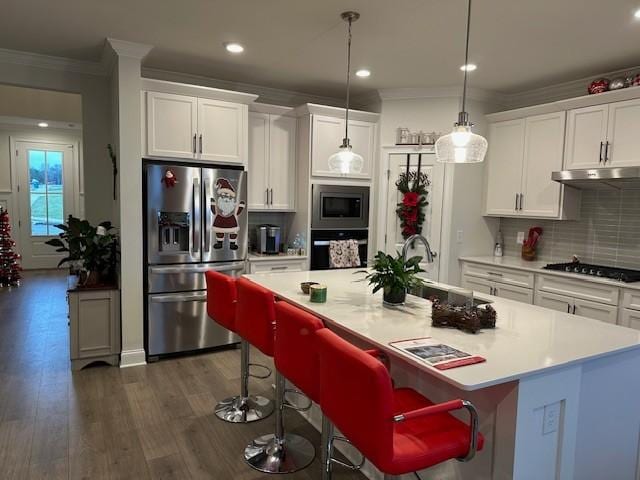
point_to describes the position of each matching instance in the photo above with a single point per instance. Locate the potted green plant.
(94, 249)
(395, 276)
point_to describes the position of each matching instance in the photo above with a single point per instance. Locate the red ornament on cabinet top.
(636, 80)
(599, 86)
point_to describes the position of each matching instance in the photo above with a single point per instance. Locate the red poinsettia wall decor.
(413, 186)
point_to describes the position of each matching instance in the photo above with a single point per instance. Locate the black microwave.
(340, 207)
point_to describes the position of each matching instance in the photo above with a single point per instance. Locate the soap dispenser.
(497, 249)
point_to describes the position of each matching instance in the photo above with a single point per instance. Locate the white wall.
(40, 104)
(96, 133)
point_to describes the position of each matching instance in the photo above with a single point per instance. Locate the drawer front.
(630, 318)
(631, 299)
(477, 284)
(282, 266)
(519, 294)
(555, 302)
(509, 276)
(593, 292)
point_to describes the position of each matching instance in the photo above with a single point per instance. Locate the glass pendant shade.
(346, 161)
(461, 146)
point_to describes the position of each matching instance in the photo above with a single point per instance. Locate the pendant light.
(462, 145)
(345, 160)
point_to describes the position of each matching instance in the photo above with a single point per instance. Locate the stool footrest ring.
(290, 405)
(261, 377)
(350, 466)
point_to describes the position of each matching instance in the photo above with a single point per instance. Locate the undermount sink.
(429, 291)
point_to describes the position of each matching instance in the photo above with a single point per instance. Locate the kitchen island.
(557, 394)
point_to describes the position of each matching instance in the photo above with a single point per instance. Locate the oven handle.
(197, 269)
(325, 243)
(179, 297)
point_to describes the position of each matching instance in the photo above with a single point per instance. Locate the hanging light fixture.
(462, 145)
(345, 160)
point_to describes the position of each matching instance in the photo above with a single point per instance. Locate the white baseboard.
(132, 358)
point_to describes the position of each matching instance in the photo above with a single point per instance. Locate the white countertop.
(536, 266)
(257, 257)
(527, 339)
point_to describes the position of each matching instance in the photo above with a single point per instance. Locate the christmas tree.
(9, 260)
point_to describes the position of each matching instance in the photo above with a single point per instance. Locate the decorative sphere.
(617, 84)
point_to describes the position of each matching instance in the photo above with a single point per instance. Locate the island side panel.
(608, 441)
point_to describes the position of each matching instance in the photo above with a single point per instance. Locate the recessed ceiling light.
(364, 73)
(234, 47)
(43, 124)
(470, 67)
(637, 13)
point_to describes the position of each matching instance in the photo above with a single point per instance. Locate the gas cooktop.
(614, 273)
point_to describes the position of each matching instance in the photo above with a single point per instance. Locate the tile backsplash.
(282, 219)
(607, 233)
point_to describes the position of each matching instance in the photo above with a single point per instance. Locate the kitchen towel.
(344, 254)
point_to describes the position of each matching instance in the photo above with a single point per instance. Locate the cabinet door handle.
(601, 146)
(284, 267)
(516, 202)
(521, 200)
(574, 309)
(606, 152)
(568, 308)
(266, 191)
(194, 143)
(271, 190)
(200, 141)
(495, 291)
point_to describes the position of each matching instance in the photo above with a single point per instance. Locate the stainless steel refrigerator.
(196, 220)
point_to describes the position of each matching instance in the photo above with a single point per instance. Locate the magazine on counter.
(436, 354)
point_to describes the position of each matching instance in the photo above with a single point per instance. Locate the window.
(45, 191)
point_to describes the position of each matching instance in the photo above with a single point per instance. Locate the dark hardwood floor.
(154, 421)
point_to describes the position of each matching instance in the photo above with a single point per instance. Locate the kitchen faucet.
(407, 244)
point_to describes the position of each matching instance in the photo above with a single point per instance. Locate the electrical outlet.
(551, 419)
(459, 236)
(520, 238)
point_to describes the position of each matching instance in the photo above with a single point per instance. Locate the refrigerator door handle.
(205, 217)
(199, 269)
(195, 221)
(179, 297)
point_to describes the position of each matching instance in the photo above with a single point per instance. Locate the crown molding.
(124, 48)
(189, 89)
(29, 59)
(477, 94)
(561, 91)
(272, 109)
(338, 112)
(269, 95)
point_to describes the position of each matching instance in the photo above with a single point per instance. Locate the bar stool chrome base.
(244, 409)
(288, 455)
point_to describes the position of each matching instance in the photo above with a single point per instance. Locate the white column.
(127, 58)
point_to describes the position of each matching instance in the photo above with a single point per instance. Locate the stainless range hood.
(607, 178)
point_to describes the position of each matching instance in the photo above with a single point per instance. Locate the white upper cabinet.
(586, 137)
(193, 127)
(604, 136)
(623, 147)
(282, 161)
(221, 131)
(327, 135)
(258, 184)
(522, 155)
(272, 157)
(543, 152)
(171, 125)
(505, 160)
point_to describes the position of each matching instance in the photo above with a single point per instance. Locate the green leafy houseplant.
(94, 248)
(395, 277)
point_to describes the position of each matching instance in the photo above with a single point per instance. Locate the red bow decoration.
(413, 186)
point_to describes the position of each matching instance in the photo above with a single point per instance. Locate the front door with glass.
(45, 198)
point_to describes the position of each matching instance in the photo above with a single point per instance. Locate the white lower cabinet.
(577, 306)
(502, 290)
(630, 318)
(275, 266)
(552, 301)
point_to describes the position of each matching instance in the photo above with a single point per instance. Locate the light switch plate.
(459, 236)
(551, 420)
(520, 238)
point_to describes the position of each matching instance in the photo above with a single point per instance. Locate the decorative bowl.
(305, 287)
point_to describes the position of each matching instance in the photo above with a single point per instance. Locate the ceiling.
(300, 44)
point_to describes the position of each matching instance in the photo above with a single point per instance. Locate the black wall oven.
(340, 207)
(320, 246)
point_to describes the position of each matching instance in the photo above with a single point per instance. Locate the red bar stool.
(398, 430)
(222, 299)
(296, 359)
